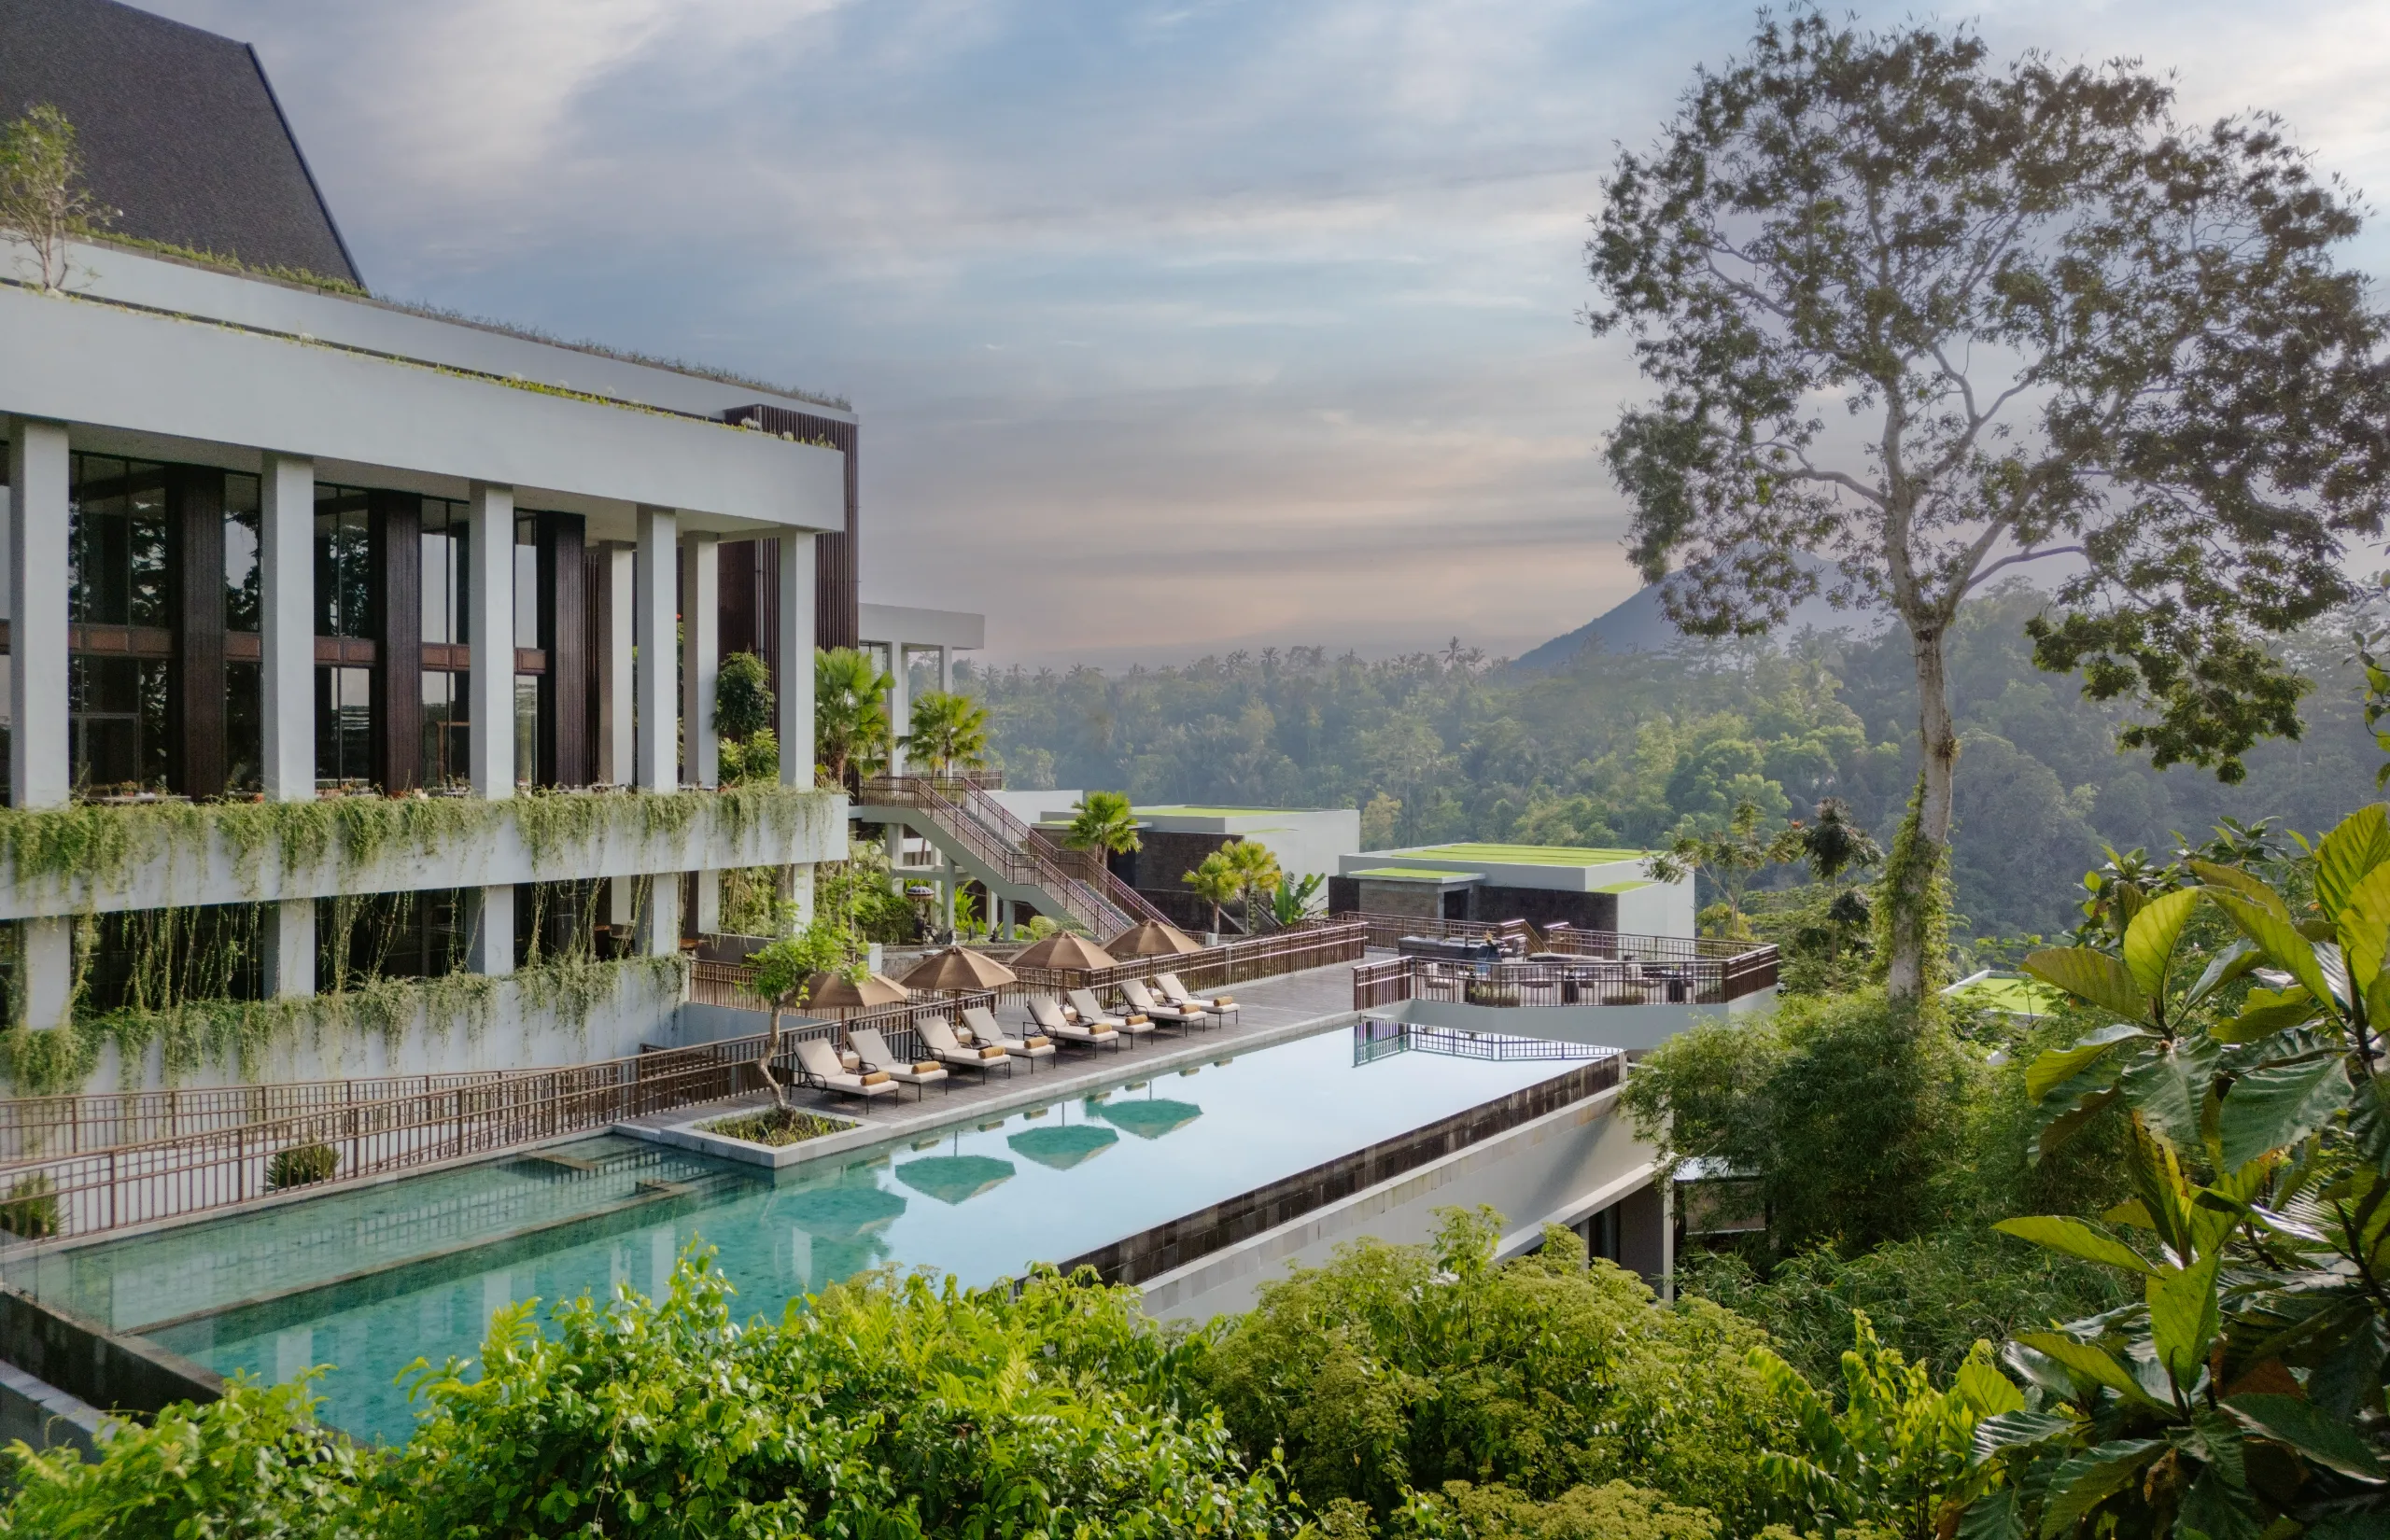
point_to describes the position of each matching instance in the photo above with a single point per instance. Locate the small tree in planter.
(783, 979)
(1215, 882)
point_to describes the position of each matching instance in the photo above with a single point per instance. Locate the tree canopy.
(2055, 322)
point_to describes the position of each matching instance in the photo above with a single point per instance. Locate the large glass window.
(115, 726)
(344, 563)
(116, 563)
(389, 935)
(343, 727)
(446, 731)
(243, 727)
(526, 728)
(155, 959)
(526, 585)
(240, 579)
(443, 571)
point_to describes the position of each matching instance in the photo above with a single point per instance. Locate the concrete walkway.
(1270, 1011)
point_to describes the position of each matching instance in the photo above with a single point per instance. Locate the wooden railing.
(1589, 980)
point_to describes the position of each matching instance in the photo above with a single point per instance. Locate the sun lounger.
(937, 1036)
(985, 1029)
(1178, 994)
(1142, 1001)
(1060, 1028)
(818, 1066)
(905, 1072)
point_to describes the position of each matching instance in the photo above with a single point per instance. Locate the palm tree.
(849, 712)
(1214, 882)
(948, 729)
(1103, 823)
(1257, 871)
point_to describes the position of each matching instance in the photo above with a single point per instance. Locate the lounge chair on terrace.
(818, 1067)
(1142, 1001)
(937, 1036)
(905, 1072)
(1178, 994)
(1124, 1022)
(985, 1029)
(1048, 1015)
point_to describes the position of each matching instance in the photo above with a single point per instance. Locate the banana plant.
(2243, 1397)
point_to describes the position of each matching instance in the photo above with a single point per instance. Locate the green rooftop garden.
(1215, 812)
(1414, 874)
(1531, 855)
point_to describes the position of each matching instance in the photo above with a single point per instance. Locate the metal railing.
(1386, 931)
(1289, 951)
(1100, 876)
(1587, 980)
(140, 1182)
(31, 1126)
(979, 824)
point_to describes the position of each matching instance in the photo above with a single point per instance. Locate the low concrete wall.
(46, 1417)
(1555, 1168)
(1631, 1027)
(94, 1365)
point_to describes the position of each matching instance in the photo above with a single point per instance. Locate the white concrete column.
(290, 948)
(489, 624)
(796, 660)
(796, 891)
(657, 629)
(287, 628)
(618, 709)
(38, 537)
(900, 707)
(700, 657)
(709, 902)
(659, 922)
(46, 965)
(490, 945)
(946, 669)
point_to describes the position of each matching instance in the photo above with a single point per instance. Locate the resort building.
(350, 644)
(1543, 885)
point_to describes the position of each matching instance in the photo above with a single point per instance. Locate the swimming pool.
(368, 1281)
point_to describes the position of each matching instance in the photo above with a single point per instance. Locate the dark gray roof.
(179, 128)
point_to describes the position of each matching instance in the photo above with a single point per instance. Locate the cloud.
(1172, 325)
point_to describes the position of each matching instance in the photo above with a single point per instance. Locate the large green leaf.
(2060, 1065)
(2279, 1105)
(2276, 936)
(2222, 969)
(2266, 1012)
(1986, 1389)
(2087, 1363)
(2307, 1428)
(2091, 976)
(1994, 1516)
(2012, 1429)
(2363, 927)
(2083, 1481)
(2169, 1088)
(2183, 1318)
(2241, 882)
(2345, 856)
(2075, 1239)
(2057, 1130)
(2219, 1509)
(2150, 940)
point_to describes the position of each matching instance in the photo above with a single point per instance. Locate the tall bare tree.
(1936, 316)
(43, 201)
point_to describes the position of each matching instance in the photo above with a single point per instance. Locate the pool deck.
(1268, 1010)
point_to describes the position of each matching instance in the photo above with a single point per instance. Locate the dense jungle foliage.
(1632, 747)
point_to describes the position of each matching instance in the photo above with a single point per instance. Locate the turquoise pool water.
(980, 1200)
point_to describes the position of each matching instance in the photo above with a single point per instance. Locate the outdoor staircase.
(1012, 860)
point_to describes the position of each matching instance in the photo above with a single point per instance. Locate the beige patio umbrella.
(957, 969)
(837, 992)
(1066, 949)
(1152, 939)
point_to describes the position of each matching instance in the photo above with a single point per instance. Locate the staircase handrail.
(1120, 895)
(985, 838)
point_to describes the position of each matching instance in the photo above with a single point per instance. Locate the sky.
(1174, 327)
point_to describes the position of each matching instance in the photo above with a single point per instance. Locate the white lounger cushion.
(1091, 1013)
(1178, 993)
(875, 1051)
(939, 1034)
(823, 1064)
(984, 1027)
(1140, 998)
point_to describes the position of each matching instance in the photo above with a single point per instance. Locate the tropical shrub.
(743, 701)
(2245, 1393)
(301, 1164)
(1397, 1368)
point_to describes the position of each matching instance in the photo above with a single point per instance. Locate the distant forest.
(1627, 748)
